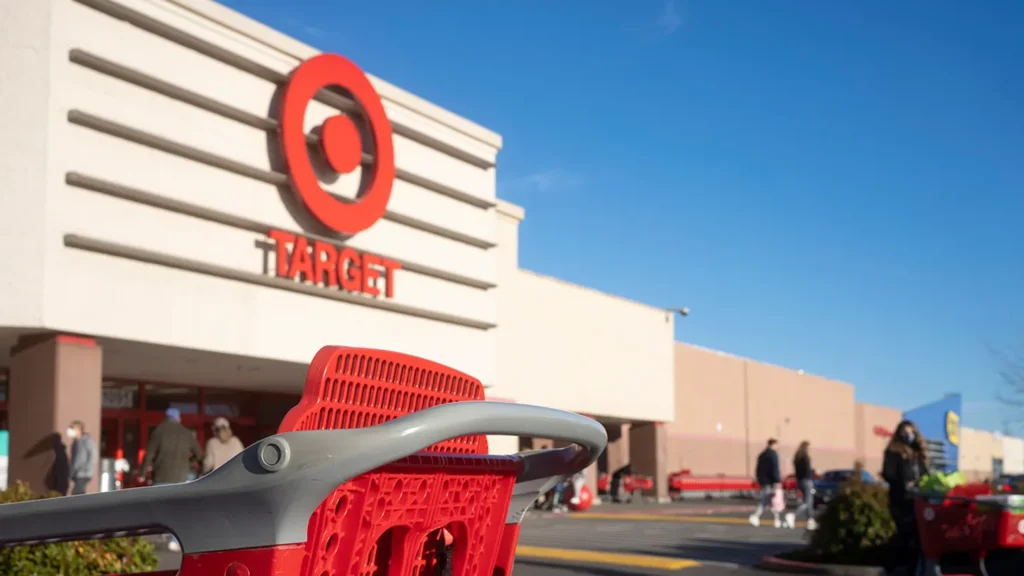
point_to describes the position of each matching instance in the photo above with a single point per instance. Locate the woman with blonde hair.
(805, 482)
(904, 463)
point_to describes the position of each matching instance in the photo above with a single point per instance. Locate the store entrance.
(132, 410)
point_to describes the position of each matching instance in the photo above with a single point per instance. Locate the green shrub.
(855, 527)
(88, 558)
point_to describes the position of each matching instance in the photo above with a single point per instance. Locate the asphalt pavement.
(710, 540)
(690, 538)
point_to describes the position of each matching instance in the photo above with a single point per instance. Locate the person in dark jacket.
(768, 477)
(805, 482)
(905, 462)
(170, 452)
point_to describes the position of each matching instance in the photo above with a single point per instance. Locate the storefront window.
(160, 398)
(228, 403)
(272, 410)
(120, 395)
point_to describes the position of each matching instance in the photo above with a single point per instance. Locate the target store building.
(192, 204)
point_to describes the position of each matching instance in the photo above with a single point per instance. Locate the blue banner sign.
(939, 423)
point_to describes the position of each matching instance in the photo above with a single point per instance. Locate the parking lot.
(697, 538)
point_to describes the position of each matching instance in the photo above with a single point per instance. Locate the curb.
(776, 564)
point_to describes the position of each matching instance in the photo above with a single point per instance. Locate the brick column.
(54, 380)
(618, 446)
(648, 453)
(591, 482)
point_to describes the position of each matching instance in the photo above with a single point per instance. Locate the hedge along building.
(197, 207)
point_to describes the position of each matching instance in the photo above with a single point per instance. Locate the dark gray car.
(826, 486)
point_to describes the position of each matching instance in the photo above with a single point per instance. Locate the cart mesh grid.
(389, 521)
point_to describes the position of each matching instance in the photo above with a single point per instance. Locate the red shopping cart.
(382, 468)
(986, 530)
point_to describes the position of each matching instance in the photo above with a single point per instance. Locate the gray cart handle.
(265, 495)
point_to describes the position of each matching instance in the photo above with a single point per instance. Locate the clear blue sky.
(832, 186)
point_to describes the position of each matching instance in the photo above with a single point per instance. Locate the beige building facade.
(155, 228)
(727, 407)
(171, 250)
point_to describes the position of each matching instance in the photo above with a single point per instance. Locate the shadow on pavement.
(532, 566)
(721, 551)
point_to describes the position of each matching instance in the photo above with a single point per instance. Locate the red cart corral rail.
(380, 469)
(687, 483)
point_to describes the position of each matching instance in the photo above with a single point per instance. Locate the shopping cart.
(382, 468)
(986, 532)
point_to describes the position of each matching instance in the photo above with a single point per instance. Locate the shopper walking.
(577, 481)
(904, 463)
(805, 483)
(222, 447)
(171, 450)
(769, 478)
(82, 468)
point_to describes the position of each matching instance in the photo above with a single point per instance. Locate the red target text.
(331, 266)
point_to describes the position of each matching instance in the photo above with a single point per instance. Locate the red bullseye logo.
(340, 142)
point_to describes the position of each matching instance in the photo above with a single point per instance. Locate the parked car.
(792, 488)
(1009, 482)
(826, 486)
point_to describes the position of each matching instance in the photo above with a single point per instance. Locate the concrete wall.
(574, 348)
(873, 427)
(727, 407)
(977, 450)
(1013, 455)
(710, 431)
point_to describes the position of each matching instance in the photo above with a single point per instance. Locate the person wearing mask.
(83, 457)
(222, 447)
(905, 461)
(768, 477)
(169, 455)
(805, 482)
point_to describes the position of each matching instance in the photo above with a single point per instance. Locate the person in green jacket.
(171, 450)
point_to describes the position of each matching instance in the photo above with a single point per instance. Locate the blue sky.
(830, 186)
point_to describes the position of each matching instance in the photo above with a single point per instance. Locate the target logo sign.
(341, 146)
(340, 142)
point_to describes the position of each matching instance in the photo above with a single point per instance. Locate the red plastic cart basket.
(382, 468)
(974, 527)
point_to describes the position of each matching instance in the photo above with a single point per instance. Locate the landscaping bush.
(854, 529)
(89, 558)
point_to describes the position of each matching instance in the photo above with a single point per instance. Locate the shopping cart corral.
(981, 535)
(382, 468)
